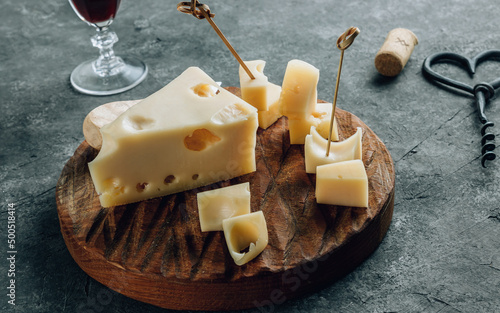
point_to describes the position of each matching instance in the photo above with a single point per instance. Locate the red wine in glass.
(109, 74)
(96, 11)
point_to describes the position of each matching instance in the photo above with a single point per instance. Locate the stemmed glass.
(109, 74)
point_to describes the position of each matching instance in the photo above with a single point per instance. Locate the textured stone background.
(442, 251)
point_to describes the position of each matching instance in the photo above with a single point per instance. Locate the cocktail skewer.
(202, 11)
(343, 42)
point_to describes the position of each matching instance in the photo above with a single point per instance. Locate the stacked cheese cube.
(340, 176)
(260, 93)
(298, 102)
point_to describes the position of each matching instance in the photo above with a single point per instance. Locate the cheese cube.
(254, 91)
(181, 137)
(320, 119)
(299, 94)
(260, 93)
(243, 232)
(219, 204)
(267, 118)
(315, 150)
(344, 183)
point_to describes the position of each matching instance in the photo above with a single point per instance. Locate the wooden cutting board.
(154, 251)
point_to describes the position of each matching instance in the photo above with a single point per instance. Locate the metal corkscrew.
(482, 92)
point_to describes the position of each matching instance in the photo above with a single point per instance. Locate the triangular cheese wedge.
(189, 134)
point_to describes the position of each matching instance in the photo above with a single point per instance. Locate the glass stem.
(107, 64)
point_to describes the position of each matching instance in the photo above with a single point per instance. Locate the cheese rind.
(315, 150)
(179, 138)
(320, 119)
(254, 91)
(216, 205)
(245, 231)
(344, 183)
(299, 94)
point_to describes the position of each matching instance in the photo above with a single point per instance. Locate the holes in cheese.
(216, 205)
(205, 90)
(138, 122)
(171, 146)
(319, 114)
(343, 183)
(230, 113)
(320, 118)
(141, 186)
(315, 150)
(260, 67)
(246, 236)
(195, 176)
(169, 179)
(113, 186)
(200, 140)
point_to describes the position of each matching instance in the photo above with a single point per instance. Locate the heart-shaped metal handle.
(469, 64)
(483, 92)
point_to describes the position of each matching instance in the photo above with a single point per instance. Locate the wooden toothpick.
(343, 42)
(202, 11)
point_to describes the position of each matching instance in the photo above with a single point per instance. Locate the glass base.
(86, 80)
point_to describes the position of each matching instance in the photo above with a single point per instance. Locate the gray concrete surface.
(442, 251)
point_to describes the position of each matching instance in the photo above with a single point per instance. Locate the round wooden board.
(154, 250)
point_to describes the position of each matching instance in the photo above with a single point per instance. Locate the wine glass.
(109, 74)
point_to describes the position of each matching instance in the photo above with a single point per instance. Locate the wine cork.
(395, 52)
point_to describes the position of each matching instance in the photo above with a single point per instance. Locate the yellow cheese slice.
(254, 91)
(344, 183)
(320, 119)
(315, 150)
(219, 204)
(245, 232)
(299, 90)
(189, 134)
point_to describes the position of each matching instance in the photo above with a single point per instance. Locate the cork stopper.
(395, 52)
